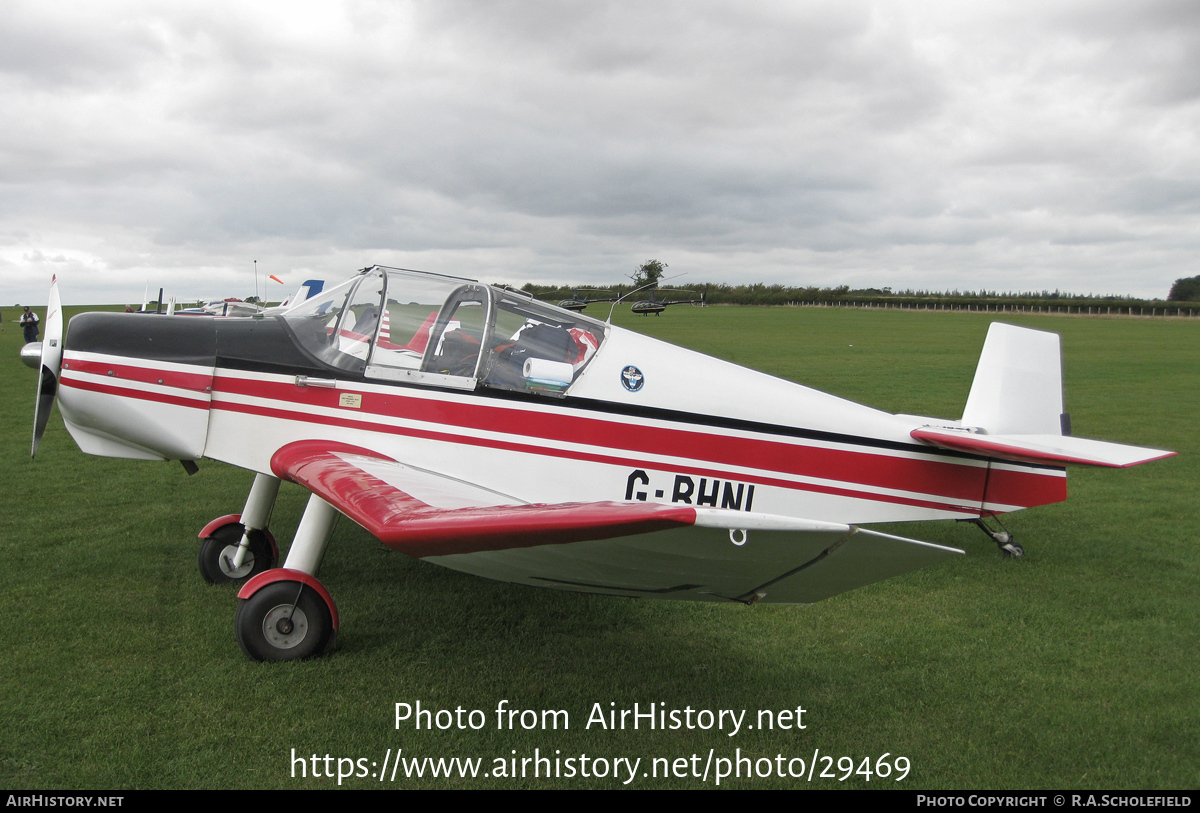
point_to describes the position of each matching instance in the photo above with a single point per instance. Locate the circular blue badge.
(632, 378)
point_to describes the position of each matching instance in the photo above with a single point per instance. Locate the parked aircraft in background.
(657, 306)
(223, 307)
(578, 303)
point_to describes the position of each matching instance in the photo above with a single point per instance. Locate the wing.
(618, 548)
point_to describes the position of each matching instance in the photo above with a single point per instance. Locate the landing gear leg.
(238, 547)
(308, 547)
(257, 514)
(1002, 538)
(286, 614)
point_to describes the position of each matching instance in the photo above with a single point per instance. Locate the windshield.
(339, 325)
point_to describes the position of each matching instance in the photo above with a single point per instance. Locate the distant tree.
(253, 300)
(649, 274)
(1185, 290)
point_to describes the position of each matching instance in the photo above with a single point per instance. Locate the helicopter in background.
(577, 303)
(656, 306)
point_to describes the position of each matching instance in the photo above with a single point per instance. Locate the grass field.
(1076, 666)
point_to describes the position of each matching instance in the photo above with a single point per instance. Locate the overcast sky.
(1007, 145)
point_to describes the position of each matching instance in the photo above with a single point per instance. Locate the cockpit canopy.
(399, 325)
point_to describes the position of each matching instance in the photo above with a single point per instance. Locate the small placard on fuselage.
(350, 399)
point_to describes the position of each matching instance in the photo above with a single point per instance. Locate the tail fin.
(1015, 409)
(1018, 383)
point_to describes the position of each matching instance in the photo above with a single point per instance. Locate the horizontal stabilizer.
(1053, 449)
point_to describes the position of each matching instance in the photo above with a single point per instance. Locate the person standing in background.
(29, 324)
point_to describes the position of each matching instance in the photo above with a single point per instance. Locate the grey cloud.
(888, 144)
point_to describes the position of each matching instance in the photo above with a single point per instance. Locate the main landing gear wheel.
(284, 621)
(217, 552)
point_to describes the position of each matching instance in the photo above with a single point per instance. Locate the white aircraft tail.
(1018, 384)
(1015, 409)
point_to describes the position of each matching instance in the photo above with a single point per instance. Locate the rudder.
(1018, 383)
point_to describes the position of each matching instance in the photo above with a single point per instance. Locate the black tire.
(263, 623)
(216, 553)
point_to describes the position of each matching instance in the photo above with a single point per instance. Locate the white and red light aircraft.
(479, 429)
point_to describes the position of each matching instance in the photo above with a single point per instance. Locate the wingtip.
(1163, 456)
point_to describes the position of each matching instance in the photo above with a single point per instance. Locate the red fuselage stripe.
(134, 394)
(350, 423)
(960, 486)
(954, 481)
(195, 382)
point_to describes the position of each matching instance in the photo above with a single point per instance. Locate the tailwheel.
(219, 549)
(285, 620)
(1010, 549)
(1003, 539)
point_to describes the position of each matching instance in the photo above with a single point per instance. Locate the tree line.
(762, 294)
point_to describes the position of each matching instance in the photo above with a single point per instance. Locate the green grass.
(1074, 667)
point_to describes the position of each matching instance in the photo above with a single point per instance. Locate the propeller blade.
(50, 366)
